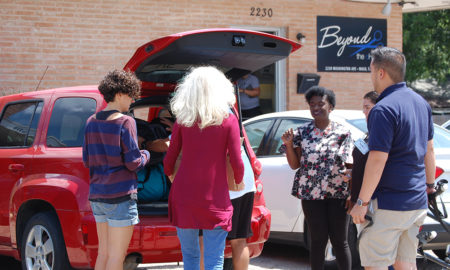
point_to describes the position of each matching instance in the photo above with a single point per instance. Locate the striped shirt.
(111, 153)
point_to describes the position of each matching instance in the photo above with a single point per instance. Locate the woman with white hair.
(205, 131)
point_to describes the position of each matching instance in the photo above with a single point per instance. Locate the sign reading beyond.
(344, 44)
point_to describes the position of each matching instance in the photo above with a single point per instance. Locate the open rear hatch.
(161, 63)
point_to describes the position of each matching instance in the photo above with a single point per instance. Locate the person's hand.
(349, 205)
(140, 141)
(431, 190)
(347, 175)
(167, 122)
(160, 145)
(240, 186)
(358, 212)
(241, 90)
(288, 137)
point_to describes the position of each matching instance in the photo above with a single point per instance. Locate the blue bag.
(152, 184)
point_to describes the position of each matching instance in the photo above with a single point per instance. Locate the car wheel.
(42, 245)
(130, 263)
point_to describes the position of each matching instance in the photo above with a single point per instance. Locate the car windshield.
(359, 124)
(441, 137)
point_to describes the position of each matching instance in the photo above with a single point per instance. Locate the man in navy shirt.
(400, 168)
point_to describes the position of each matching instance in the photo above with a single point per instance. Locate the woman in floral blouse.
(320, 151)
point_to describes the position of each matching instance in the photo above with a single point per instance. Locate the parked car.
(45, 217)
(288, 224)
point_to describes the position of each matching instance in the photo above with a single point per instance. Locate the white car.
(288, 224)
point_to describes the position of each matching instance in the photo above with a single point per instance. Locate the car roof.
(49, 92)
(344, 114)
(340, 116)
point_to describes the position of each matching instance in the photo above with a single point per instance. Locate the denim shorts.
(116, 214)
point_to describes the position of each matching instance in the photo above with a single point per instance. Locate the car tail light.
(439, 171)
(257, 167)
(84, 231)
(259, 197)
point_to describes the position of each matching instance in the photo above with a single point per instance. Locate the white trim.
(280, 66)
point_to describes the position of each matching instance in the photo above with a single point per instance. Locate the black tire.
(228, 264)
(131, 263)
(51, 250)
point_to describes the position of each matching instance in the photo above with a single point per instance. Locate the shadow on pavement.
(8, 263)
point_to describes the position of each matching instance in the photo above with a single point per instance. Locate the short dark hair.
(391, 60)
(372, 96)
(119, 81)
(320, 91)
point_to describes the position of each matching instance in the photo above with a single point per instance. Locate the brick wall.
(79, 41)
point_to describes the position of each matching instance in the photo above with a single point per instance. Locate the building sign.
(344, 44)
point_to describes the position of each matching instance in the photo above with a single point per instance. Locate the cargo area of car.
(148, 113)
(153, 208)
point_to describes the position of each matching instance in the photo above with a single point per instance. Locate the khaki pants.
(392, 237)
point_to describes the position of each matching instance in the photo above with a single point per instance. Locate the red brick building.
(79, 41)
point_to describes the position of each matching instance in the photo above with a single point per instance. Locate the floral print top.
(324, 154)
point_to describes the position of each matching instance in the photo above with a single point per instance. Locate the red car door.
(18, 123)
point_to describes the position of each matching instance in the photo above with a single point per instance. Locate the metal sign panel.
(344, 43)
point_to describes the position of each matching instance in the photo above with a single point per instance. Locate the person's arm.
(372, 175)
(85, 153)
(173, 151)
(158, 145)
(234, 150)
(292, 154)
(255, 92)
(134, 158)
(430, 166)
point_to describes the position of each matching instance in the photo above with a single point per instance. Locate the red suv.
(45, 218)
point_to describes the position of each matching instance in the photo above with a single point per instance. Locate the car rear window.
(19, 122)
(162, 76)
(68, 120)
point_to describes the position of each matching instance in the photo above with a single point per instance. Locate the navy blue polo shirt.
(400, 124)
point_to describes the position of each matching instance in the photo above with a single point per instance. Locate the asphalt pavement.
(274, 256)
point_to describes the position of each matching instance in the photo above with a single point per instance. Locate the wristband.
(430, 185)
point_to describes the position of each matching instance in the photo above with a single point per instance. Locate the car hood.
(161, 63)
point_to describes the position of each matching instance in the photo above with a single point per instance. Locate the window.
(441, 138)
(19, 123)
(360, 124)
(66, 127)
(284, 125)
(255, 132)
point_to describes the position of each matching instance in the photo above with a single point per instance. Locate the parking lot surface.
(274, 256)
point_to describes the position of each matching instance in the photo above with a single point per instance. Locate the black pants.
(327, 218)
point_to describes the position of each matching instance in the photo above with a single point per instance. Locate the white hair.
(204, 96)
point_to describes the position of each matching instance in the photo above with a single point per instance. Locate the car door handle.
(15, 168)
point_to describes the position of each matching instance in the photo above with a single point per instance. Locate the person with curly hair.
(111, 152)
(205, 131)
